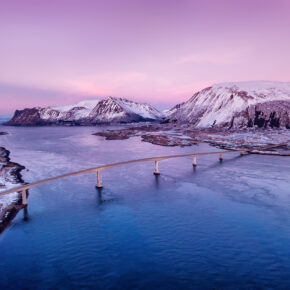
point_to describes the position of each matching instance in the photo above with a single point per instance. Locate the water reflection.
(104, 196)
(25, 214)
(100, 199)
(156, 178)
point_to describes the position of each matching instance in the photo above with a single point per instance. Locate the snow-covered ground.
(248, 139)
(233, 105)
(9, 177)
(178, 135)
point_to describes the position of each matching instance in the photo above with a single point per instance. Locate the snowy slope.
(143, 110)
(239, 104)
(89, 112)
(69, 113)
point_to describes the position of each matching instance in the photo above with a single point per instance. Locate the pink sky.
(55, 52)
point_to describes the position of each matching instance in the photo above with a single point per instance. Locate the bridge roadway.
(24, 188)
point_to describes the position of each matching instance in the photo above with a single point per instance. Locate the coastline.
(10, 175)
(166, 135)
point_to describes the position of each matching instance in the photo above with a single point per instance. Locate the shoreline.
(185, 136)
(10, 175)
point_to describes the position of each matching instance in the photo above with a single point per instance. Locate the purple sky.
(55, 52)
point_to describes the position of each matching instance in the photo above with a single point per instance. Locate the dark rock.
(10, 172)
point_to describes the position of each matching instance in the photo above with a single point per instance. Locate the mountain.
(90, 112)
(260, 104)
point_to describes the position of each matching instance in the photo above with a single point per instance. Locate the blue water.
(224, 225)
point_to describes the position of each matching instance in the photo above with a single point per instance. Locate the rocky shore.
(176, 135)
(10, 176)
(151, 133)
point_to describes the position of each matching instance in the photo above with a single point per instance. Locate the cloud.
(104, 83)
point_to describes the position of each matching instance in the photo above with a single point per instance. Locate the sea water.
(219, 225)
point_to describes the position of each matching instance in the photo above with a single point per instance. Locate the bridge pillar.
(99, 181)
(24, 196)
(194, 161)
(156, 171)
(221, 157)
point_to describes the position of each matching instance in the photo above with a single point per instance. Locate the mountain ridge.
(228, 105)
(261, 104)
(87, 112)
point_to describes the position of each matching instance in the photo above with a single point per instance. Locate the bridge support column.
(221, 157)
(194, 161)
(99, 181)
(156, 171)
(24, 196)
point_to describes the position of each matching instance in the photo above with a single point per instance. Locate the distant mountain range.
(259, 104)
(90, 112)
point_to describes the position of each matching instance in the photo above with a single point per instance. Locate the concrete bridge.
(24, 188)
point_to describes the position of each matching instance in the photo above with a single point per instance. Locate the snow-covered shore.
(10, 176)
(183, 135)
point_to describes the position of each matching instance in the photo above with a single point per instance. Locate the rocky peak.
(259, 104)
(89, 112)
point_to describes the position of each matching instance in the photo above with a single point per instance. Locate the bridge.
(23, 189)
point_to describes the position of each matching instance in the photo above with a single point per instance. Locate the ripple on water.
(218, 226)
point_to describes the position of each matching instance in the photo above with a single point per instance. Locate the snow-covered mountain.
(89, 112)
(260, 104)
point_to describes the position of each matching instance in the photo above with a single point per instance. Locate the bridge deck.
(97, 170)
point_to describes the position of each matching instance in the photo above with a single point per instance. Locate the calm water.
(219, 226)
